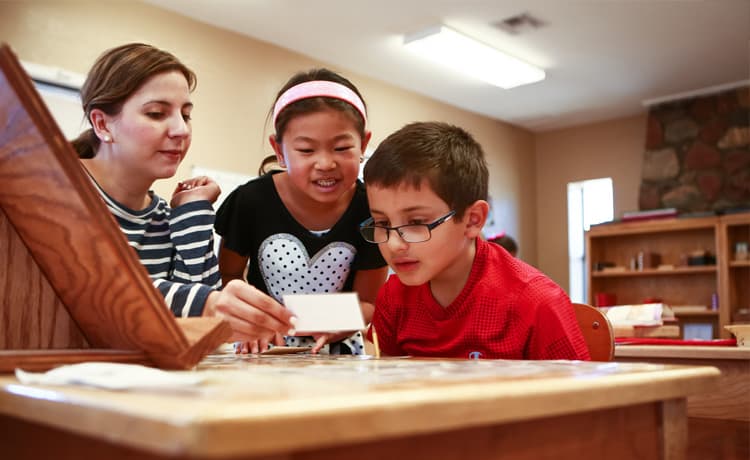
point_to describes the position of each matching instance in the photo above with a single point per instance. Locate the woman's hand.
(254, 316)
(195, 189)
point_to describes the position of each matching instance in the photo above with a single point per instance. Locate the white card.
(325, 312)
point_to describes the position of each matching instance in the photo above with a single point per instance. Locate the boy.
(454, 294)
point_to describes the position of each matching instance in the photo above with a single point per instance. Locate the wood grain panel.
(32, 315)
(732, 399)
(685, 289)
(43, 360)
(712, 439)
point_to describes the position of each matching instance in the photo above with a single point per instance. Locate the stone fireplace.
(697, 155)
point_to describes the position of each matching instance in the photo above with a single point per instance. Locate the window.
(65, 106)
(60, 91)
(589, 202)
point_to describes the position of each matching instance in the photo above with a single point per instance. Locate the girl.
(137, 99)
(298, 227)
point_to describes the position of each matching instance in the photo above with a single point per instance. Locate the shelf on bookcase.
(697, 313)
(674, 239)
(653, 271)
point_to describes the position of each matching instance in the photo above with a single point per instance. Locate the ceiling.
(603, 58)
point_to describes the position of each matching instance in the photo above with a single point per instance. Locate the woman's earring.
(362, 159)
(107, 138)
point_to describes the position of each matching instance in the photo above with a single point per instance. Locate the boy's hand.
(195, 189)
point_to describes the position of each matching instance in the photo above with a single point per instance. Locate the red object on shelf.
(605, 299)
(649, 214)
(656, 341)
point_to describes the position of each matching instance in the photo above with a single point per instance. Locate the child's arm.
(372, 343)
(231, 265)
(385, 328)
(366, 284)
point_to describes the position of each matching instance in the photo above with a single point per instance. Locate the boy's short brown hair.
(446, 156)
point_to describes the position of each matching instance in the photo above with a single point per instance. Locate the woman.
(137, 100)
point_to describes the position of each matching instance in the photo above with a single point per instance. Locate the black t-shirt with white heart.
(285, 257)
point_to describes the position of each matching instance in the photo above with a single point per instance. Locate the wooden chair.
(597, 332)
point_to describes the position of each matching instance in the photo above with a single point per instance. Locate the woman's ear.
(276, 146)
(475, 218)
(100, 123)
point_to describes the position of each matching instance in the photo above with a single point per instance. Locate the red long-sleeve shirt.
(507, 310)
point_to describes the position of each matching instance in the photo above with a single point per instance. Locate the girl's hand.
(257, 346)
(322, 339)
(195, 189)
(254, 316)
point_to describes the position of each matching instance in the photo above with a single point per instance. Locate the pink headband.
(318, 88)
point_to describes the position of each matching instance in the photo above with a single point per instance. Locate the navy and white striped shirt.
(176, 247)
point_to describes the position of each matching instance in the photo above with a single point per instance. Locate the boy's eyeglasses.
(411, 233)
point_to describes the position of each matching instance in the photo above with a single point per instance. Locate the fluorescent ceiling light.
(472, 58)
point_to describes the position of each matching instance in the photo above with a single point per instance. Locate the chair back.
(597, 332)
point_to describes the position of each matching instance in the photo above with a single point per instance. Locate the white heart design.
(287, 268)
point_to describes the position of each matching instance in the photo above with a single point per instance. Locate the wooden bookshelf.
(676, 283)
(734, 273)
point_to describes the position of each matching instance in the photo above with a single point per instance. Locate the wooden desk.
(731, 401)
(719, 422)
(324, 408)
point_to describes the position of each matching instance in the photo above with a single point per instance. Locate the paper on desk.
(112, 376)
(325, 312)
(649, 314)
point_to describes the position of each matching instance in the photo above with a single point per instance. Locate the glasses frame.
(430, 227)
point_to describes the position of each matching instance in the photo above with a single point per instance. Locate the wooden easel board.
(69, 280)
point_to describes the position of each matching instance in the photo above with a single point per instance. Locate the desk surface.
(265, 405)
(682, 352)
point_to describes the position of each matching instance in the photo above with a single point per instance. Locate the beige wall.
(238, 78)
(608, 149)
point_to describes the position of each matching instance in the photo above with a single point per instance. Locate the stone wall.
(698, 154)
